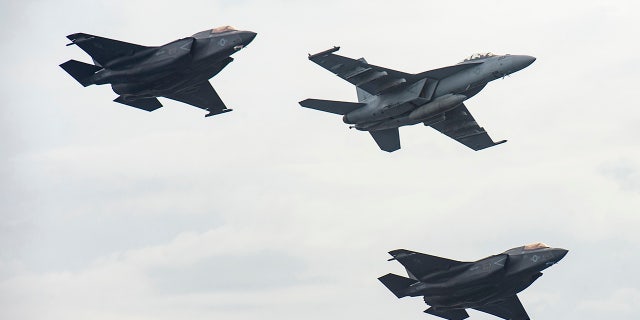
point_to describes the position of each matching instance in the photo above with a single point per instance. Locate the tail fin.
(80, 71)
(396, 284)
(337, 107)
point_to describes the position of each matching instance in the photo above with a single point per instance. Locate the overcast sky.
(274, 211)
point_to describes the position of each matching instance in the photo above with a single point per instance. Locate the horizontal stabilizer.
(337, 107)
(148, 104)
(80, 71)
(396, 284)
(453, 314)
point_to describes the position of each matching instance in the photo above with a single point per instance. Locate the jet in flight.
(389, 99)
(179, 70)
(489, 285)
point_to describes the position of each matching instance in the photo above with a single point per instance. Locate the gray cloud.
(624, 172)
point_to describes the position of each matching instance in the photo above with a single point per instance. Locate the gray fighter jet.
(389, 99)
(489, 285)
(179, 70)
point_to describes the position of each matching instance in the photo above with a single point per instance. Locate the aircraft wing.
(510, 309)
(370, 78)
(454, 314)
(460, 125)
(419, 265)
(103, 50)
(202, 96)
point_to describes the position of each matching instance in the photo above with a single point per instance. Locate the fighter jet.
(179, 70)
(489, 285)
(389, 99)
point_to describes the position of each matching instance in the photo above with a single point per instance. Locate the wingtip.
(395, 253)
(213, 113)
(75, 35)
(78, 37)
(325, 52)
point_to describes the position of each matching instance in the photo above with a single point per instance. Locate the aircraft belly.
(154, 88)
(463, 298)
(132, 89)
(375, 112)
(395, 123)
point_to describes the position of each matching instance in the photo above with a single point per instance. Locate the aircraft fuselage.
(422, 102)
(485, 281)
(167, 68)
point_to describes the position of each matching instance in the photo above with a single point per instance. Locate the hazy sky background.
(273, 211)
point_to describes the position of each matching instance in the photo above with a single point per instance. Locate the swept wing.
(375, 79)
(370, 78)
(202, 96)
(453, 314)
(510, 308)
(420, 265)
(104, 50)
(460, 125)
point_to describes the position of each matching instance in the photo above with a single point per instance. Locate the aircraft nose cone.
(560, 253)
(522, 62)
(248, 36)
(528, 60)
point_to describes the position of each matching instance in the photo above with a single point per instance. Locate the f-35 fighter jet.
(389, 99)
(179, 70)
(489, 285)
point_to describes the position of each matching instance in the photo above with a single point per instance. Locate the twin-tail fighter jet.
(389, 99)
(489, 285)
(179, 70)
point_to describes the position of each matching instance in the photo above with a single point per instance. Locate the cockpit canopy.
(535, 246)
(214, 31)
(476, 56)
(223, 29)
(526, 248)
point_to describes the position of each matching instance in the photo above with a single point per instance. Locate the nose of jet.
(521, 61)
(247, 37)
(560, 253)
